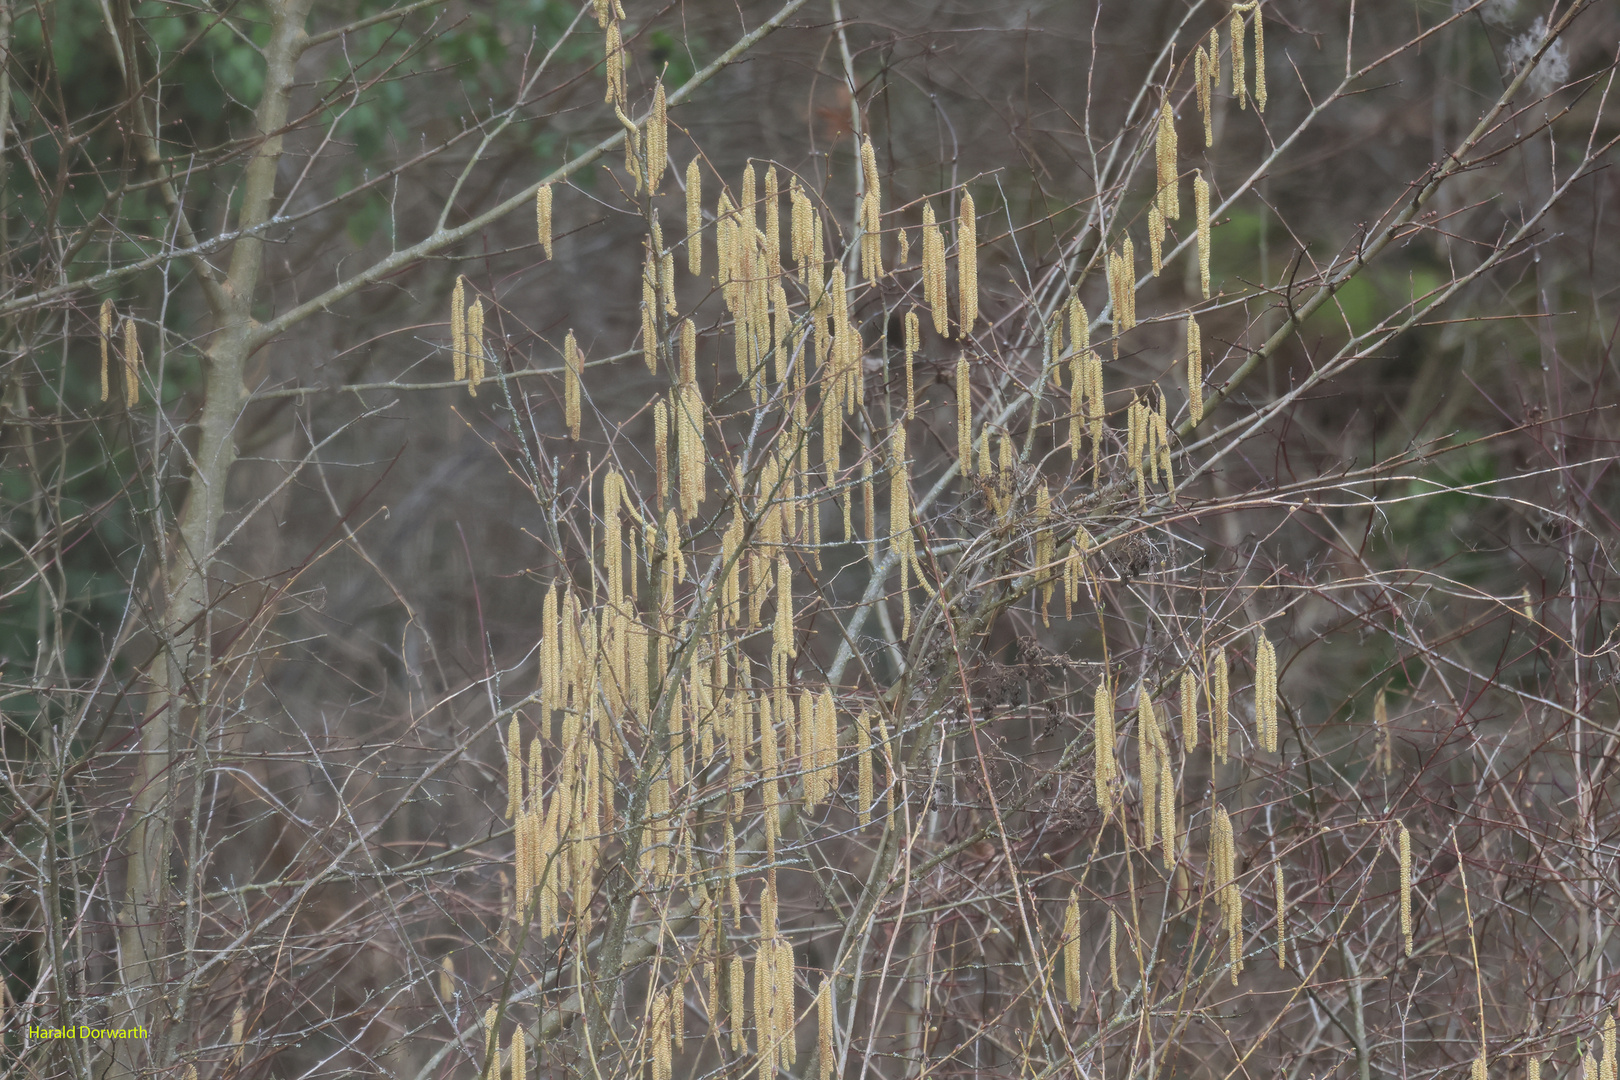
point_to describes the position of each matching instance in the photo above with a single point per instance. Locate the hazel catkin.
(105, 326)
(542, 217)
(1103, 737)
(967, 265)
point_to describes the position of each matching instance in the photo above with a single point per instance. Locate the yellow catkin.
(1201, 208)
(913, 342)
(649, 311)
(773, 226)
(868, 508)
(738, 1001)
(1265, 694)
(542, 217)
(1282, 914)
(1404, 847)
(657, 139)
(1167, 808)
(105, 325)
(490, 1016)
(1533, 1069)
(573, 381)
(1155, 239)
(871, 238)
(238, 1034)
(1383, 756)
(520, 1054)
(447, 979)
(1477, 1071)
(725, 246)
(1045, 545)
(863, 750)
(458, 329)
(1228, 899)
(1205, 72)
(1240, 80)
(514, 770)
(1195, 371)
(1189, 711)
(1607, 1064)
(1260, 70)
(1113, 950)
(689, 450)
(613, 51)
(967, 265)
(1165, 159)
(475, 345)
(694, 217)
(661, 449)
(1127, 255)
(824, 1029)
(903, 243)
(1103, 734)
(1147, 765)
(933, 268)
(1071, 949)
(964, 414)
(1215, 689)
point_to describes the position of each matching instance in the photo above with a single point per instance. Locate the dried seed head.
(964, 414)
(1165, 159)
(1404, 847)
(238, 1032)
(447, 976)
(1103, 738)
(657, 139)
(967, 265)
(573, 382)
(694, 217)
(1201, 207)
(105, 325)
(542, 216)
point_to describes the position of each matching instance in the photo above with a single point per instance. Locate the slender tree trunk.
(180, 675)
